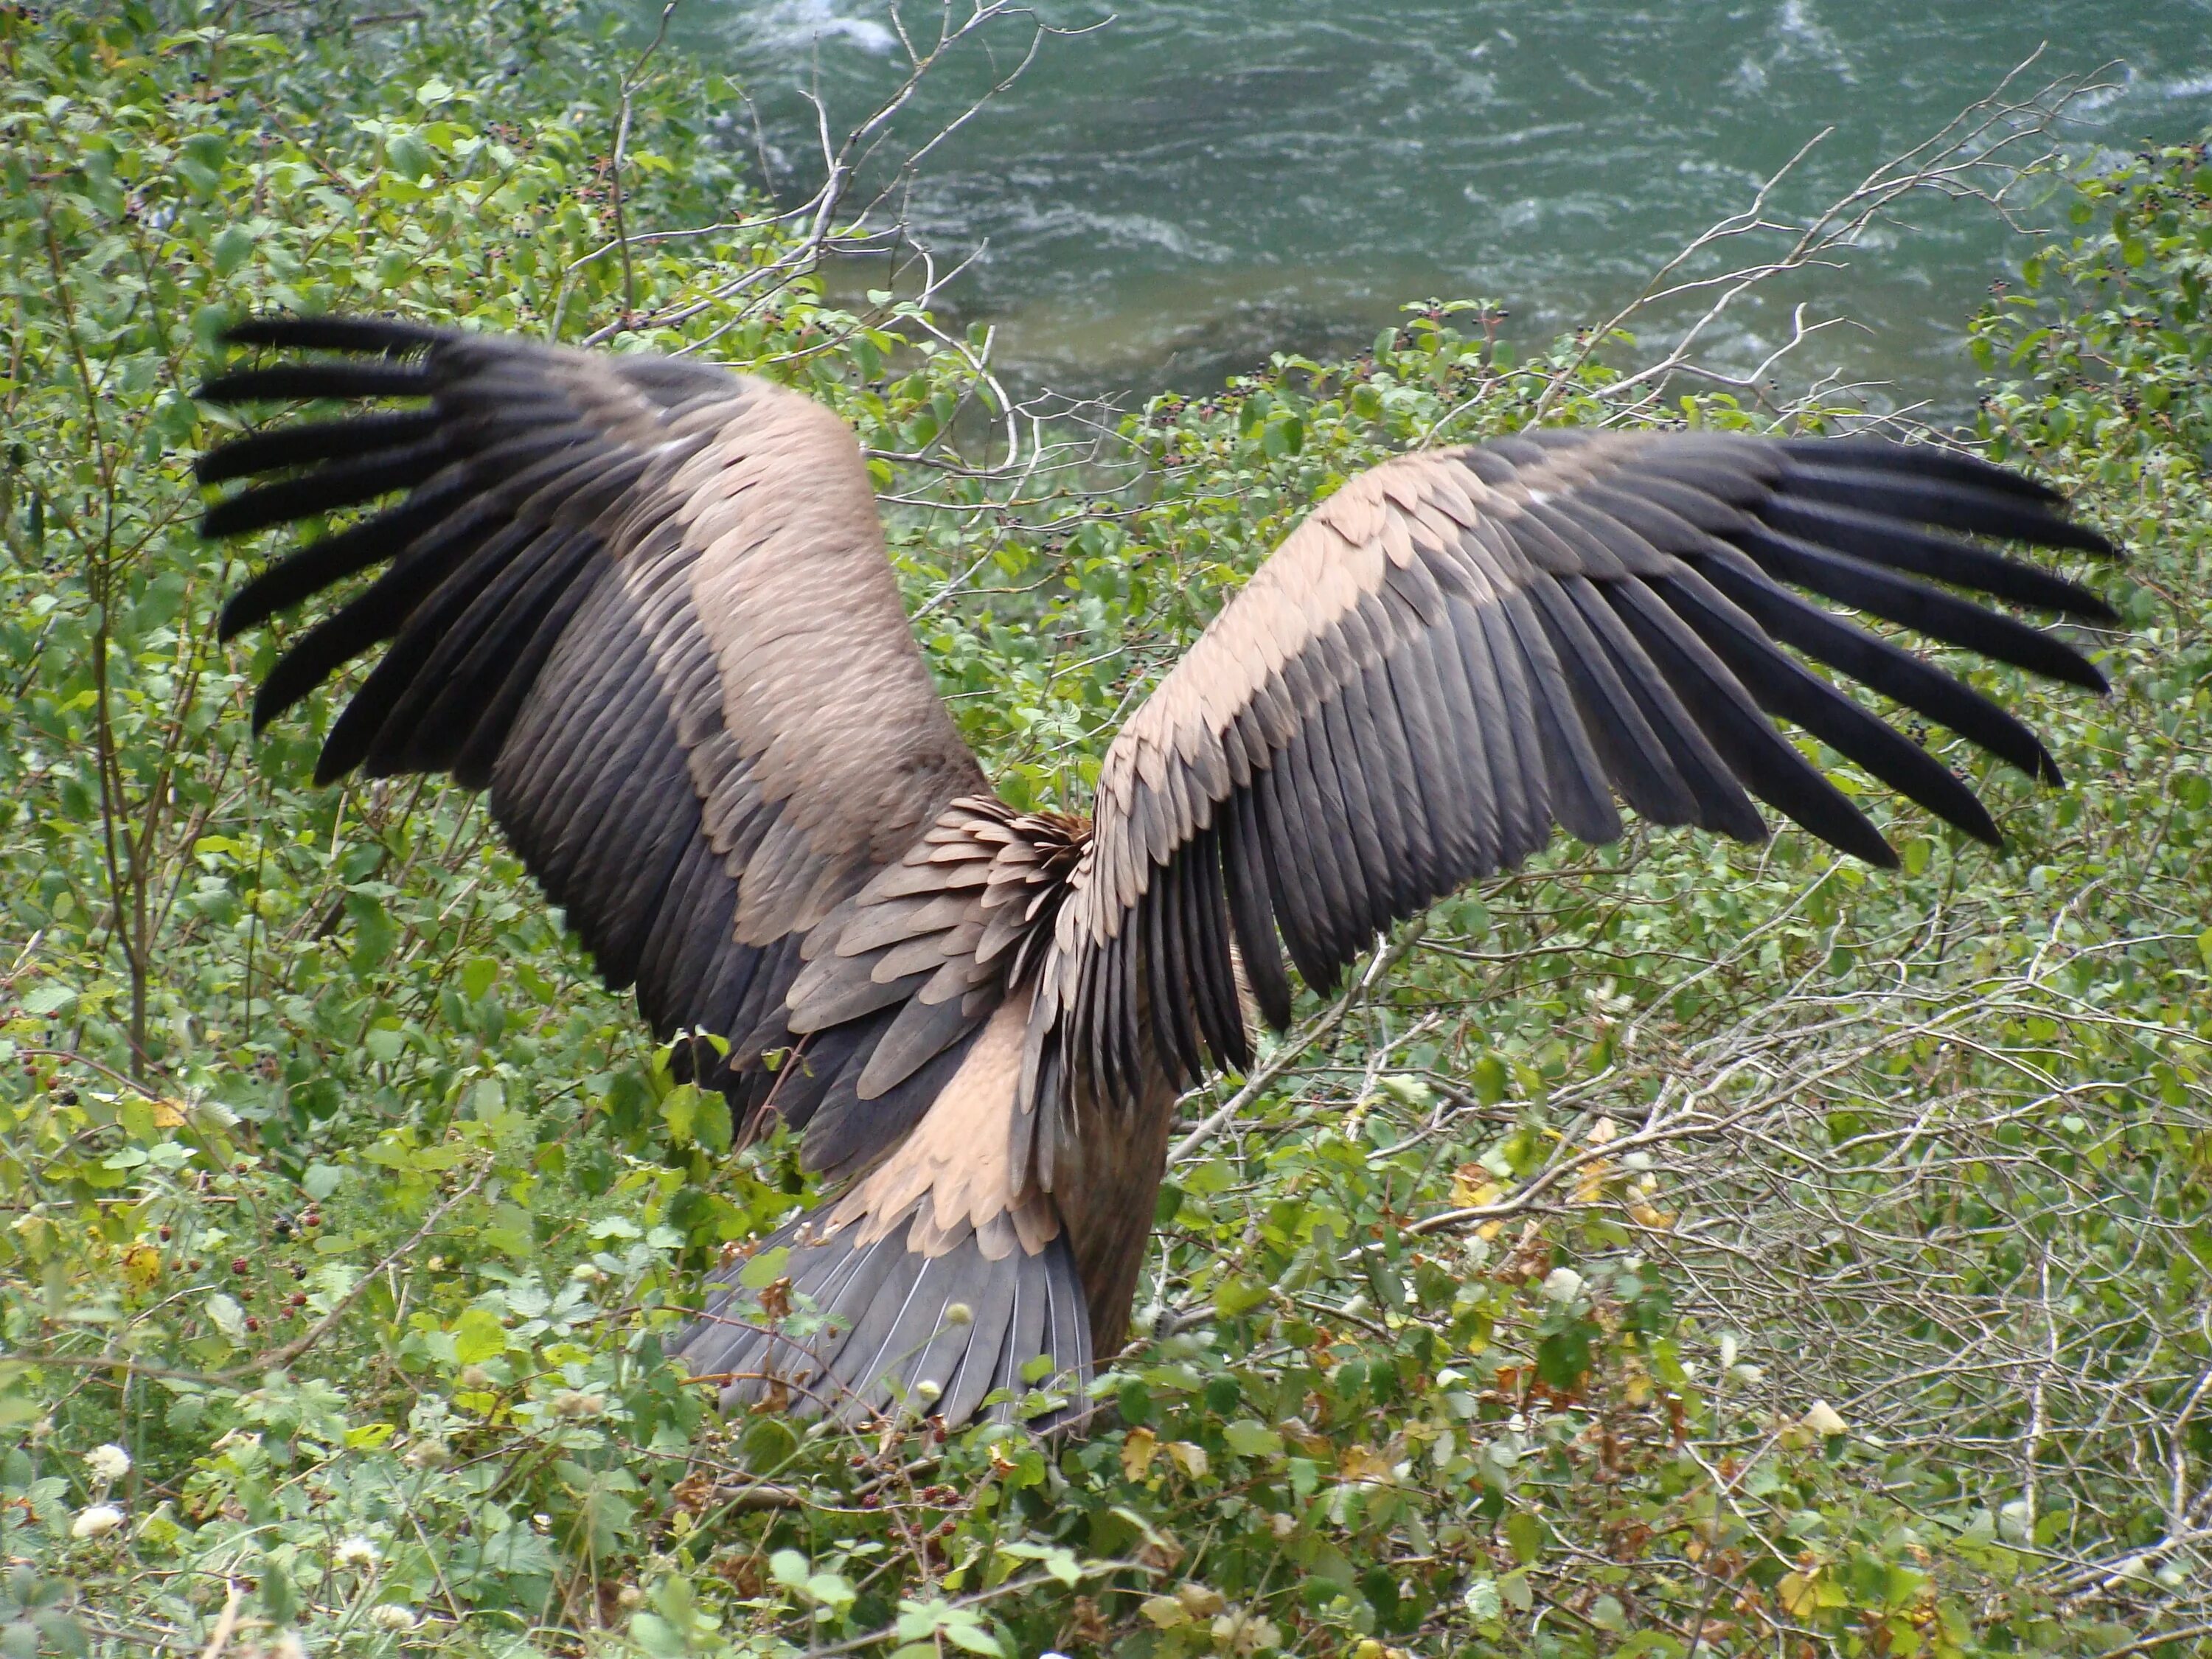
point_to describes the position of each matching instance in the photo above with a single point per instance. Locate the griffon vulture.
(645, 602)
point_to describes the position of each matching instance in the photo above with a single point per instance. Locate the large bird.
(645, 602)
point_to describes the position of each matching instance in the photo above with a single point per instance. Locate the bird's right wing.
(1461, 649)
(645, 603)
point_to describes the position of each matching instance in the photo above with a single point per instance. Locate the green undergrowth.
(1681, 1245)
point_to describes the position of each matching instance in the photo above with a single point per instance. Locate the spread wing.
(1463, 649)
(646, 604)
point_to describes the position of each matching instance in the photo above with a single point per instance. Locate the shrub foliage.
(1674, 1243)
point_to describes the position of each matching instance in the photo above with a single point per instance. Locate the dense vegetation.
(1677, 1243)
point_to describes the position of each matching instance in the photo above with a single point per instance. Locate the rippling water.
(1165, 201)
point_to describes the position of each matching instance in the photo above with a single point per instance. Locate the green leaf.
(1058, 1562)
(829, 1590)
(477, 1336)
(679, 1110)
(280, 1599)
(1248, 1439)
(49, 997)
(1490, 1078)
(768, 1445)
(63, 1634)
(232, 249)
(408, 156)
(711, 1125)
(229, 1318)
(1524, 1533)
(765, 1268)
(1482, 1600)
(1238, 1295)
(321, 1179)
(658, 1637)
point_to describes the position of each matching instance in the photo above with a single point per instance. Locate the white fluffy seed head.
(107, 1464)
(390, 1615)
(959, 1313)
(96, 1521)
(356, 1553)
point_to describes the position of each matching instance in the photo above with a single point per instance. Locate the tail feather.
(895, 1337)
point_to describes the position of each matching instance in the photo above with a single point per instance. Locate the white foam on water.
(2090, 102)
(1034, 217)
(1198, 155)
(1804, 34)
(786, 24)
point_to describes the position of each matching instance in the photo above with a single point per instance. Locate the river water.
(1167, 199)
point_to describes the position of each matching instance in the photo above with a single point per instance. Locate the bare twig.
(1981, 155)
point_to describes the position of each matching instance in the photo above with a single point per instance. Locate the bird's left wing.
(646, 604)
(1461, 649)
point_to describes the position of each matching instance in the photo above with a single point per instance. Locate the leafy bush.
(1678, 1242)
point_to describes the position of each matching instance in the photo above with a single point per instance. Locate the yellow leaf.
(1359, 1463)
(1823, 1420)
(1647, 1216)
(1191, 1458)
(168, 1113)
(1472, 1185)
(142, 1267)
(1590, 1184)
(1165, 1611)
(1136, 1453)
(1200, 1601)
(1800, 1593)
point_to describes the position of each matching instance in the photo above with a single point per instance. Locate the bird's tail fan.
(863, 1323)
